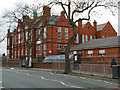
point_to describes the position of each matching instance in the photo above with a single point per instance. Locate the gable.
(62, 21)
(108, 28)
(88, 28)
(100, 27)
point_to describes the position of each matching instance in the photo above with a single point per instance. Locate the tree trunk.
(67, 61)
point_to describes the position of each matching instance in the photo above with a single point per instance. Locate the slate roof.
(53, 19)
(98, 43)
(100, 27)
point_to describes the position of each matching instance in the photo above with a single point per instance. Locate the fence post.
(91, 69)
(80, 68)
(104, 71)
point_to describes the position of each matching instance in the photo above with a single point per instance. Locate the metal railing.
(92, 69)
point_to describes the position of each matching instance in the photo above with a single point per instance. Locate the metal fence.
(91, 69)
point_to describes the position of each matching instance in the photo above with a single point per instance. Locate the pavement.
(107, 77)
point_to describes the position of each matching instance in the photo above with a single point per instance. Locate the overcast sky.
(10, 4)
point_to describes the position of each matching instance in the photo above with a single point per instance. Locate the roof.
(100, 27)
(98, 43)
(53, 19)
(56, 58)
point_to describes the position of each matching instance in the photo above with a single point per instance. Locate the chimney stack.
(95, 25)
(80, 25)
(46, 11)
(62, 13)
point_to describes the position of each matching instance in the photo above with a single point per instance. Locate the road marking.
(51, 73)
(106, 82)
(56, 81)
(82, 77)
(53, 80)
(17, 72)
(65, 75)
(12, 68)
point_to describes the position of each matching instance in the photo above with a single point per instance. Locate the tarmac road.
(21, 78)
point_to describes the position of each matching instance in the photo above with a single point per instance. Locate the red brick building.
(99, 50)
(55, 36)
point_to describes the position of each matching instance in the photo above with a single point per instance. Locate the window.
(8, 52)
(95, 37)
(26, 27)
(8, 41)
(101, 52)
(82, 38)
(59, 33)
(19, 38)
(44, 48)
(86, 38)
(90, 37)
(59, 47)
(15, 53)
(30, 51)
(18, 52)
(38, 48)
(22, 52)
(66, 33)
(22, 37)
(90, 53)
(19, 30)
(26, 35)
(77, 38)
(44, 33)
(80, 53)
(25, 51)
(103, 36)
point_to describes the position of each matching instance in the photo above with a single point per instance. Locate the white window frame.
(44, 50)
(59, 32)
(91, 37)
(101, 52)
(45, 33)
(86, 38)
(83, 38)
(90, 53)
(77, 38)
(18, 38)
(66, 33)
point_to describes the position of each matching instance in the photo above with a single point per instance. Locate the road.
(22, 78)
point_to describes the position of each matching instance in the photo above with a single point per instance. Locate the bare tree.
(83, 10)
(21, 13)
